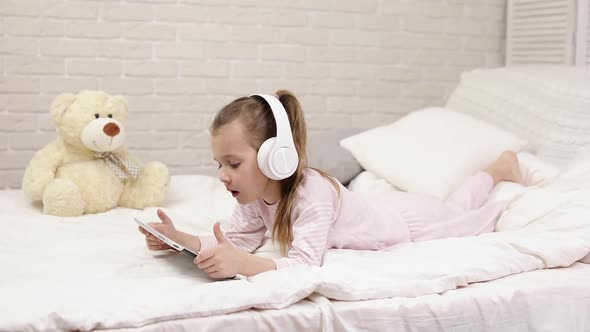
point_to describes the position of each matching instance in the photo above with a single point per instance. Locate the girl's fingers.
(153, 238)
(203, 263)
(159, 244)
(205, 255)
(155, 244)
(206, 264)
(210, 270)
(164, 217)
(153, 247)
(152, 242)
(157, 247)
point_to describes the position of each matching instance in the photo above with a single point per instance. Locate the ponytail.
(282, 231)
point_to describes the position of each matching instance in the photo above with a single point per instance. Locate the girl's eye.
(96, 115)
(236, 165)
(218, 166)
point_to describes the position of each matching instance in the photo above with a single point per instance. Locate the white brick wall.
(352, 62)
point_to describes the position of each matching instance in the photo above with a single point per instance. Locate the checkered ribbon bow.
(123, 167)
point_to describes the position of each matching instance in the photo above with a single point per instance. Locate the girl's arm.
(246, 230)
(310, 236)
(188, 240)
(252, 264)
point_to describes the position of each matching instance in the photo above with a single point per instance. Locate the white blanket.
(430, 267)
(541, 228)
(94, 271)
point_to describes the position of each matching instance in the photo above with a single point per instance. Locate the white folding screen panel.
(540, 32)
(587, 22)
(588, 33)
(583, 34)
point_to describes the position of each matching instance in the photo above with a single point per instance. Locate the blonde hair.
(258, 120)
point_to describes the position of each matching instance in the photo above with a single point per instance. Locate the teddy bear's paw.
(62, 198)
(149, 189)
(157, 173)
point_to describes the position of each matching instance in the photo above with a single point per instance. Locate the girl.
(309, 212)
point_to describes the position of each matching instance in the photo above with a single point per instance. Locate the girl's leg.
(473, 193)
(464, 213)
(506, 168)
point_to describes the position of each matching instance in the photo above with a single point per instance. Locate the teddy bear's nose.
(111, 129)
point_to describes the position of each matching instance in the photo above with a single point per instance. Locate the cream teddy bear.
(86, 169)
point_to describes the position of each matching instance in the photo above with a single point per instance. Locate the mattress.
(304, 315)
(543, 300)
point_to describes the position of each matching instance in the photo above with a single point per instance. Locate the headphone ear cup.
(284, 162)
(263, 158)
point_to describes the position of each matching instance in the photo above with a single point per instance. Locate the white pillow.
(536, 172)
(431, 150)
(367, 184)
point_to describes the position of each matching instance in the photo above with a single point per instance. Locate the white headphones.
(277, 156)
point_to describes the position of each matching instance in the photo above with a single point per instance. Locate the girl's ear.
(61, 104)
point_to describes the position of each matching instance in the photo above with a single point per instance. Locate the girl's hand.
(222, 261)
(166, 227)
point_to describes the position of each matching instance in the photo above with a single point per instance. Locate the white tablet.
(165, 239)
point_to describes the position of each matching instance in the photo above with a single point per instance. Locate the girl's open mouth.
(234, 193)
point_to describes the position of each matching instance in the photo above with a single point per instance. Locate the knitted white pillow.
(546, 105)
(431, 150)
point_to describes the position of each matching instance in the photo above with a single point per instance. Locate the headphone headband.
(284, 134)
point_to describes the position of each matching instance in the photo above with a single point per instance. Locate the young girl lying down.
(259, 142)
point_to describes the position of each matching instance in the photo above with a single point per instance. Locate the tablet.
(166, 239)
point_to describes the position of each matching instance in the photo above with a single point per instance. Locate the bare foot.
(506, 168)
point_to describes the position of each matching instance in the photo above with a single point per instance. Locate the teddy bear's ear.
(119, 103)
(60, 104)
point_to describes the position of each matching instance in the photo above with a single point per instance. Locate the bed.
(94, 272)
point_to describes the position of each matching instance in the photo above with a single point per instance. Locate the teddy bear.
(87, 168)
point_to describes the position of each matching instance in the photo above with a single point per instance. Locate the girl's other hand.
(221, 261)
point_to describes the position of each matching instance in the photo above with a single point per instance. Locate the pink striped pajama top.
(322, 219)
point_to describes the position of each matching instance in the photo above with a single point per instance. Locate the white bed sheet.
(542, 300)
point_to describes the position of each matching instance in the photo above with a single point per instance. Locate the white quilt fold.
(541, 228)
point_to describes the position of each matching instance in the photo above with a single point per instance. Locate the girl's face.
(238, 167)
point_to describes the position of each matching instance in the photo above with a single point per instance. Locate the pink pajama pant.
(463, 213)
